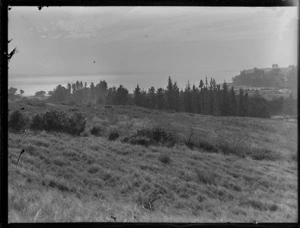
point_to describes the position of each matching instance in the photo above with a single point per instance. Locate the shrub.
(17, 121)
(201, 144)
(294, 157)
(253, 152)
(73, 109)
(161, 135)
(201, 198)
(157, 135)
(59, 186)
(164, 158)
(58, 121)
(113, 135)
(37, 122)
(85, 134)
(233, 148)
(71, 103)
(273, 207)
(264, 154)
(96, 130)
(93, 169)
(58, 162)
(35, 102)
(138, 140)
(100, 100)
(207, 146)
(205, 176)
(76, 123)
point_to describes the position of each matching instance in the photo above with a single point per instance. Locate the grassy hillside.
(232, 170)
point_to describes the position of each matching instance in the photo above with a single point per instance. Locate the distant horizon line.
(135, 73)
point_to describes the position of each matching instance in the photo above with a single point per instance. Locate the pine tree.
(218, 101)
(211, 97)
(160, 98)
(169, 94)
(201, 98)
(246, 105)
(151, 97)
(175, 97)
(92, 86)
(233, 109)
(73, 88)
(111, 96)
(69, 88)
(201, 84)
(137, 96)
(144, 101)
(241, 103)
(121, 96)
(187, 101)
(206, 101)
(225, 101)
(181, 100)
(194, 99)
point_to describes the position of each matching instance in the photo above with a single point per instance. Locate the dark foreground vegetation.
(74, 124)
(57, 121)
(89, 163)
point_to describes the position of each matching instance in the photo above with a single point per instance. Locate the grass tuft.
(164, 158)
(96, 130)
(113, 135)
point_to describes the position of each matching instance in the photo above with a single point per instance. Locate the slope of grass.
(63, 178)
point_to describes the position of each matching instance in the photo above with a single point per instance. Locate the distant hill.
(284, 77)
(284, 70)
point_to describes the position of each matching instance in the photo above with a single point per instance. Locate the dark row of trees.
(206, 98)
(272, 78)
(78, 93)
(12, 93)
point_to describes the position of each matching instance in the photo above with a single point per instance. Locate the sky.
(145, 45)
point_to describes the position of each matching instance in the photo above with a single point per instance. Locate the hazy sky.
(147, 44)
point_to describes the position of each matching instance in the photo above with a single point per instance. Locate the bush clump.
(35, 102)
(138, 140)
(264, 154)
(96, 130)
(93, 169)
(59, 121)
(154, 136)
(76, 123)
(255, 153)
(202, 144)
(17, 121)
(207, 146)
(164, 158)
(113, 135)
(205, 176)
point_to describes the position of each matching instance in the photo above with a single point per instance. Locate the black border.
(4, 4)
(223, 3)
(4, 114)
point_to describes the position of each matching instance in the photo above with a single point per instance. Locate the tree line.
(206, 98)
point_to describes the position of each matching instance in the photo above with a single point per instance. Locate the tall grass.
(61, 178)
